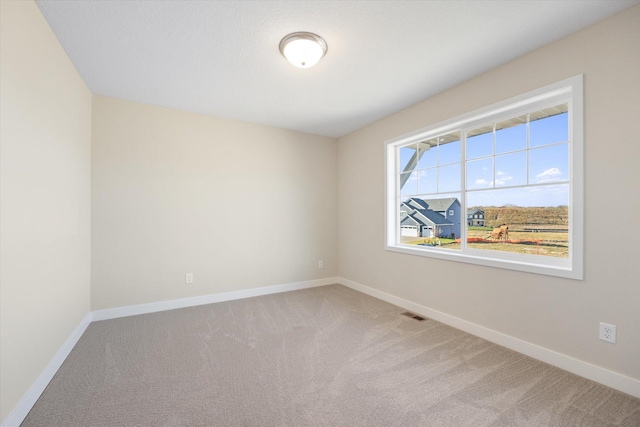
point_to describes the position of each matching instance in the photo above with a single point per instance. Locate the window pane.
(407, 157)
(480, 174)
(449, 178)
(549, 164)
(511, 169)
(428, 154)
(427, 181)
(479, 143)
(432, 221)
(409, 183)
(511, 135)
(549, 129)
(524, 220)
(449, 148)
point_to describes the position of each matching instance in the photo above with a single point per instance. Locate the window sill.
(559, 267)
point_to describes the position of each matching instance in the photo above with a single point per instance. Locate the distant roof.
(440, 205)
(474, 210)
(409, 220)
(432, 216)
(416, 203)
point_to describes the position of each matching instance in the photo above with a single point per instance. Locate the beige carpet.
(326, 356)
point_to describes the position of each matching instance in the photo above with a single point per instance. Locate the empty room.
(319, 213)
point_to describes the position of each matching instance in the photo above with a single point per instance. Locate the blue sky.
(493, 175)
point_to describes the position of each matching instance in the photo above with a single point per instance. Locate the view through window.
(497, 186)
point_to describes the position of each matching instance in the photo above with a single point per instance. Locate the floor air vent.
(414, 316)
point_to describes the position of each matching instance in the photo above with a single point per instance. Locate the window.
(515, 166)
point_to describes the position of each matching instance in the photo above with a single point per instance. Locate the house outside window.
(516, 169)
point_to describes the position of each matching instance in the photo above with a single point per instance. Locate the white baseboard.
(609, 378)
(20, 412)
(132, 310)
(592, 372)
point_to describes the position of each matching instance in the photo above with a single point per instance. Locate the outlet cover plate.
(608, 332)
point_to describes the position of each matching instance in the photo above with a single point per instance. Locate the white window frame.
(570, 91)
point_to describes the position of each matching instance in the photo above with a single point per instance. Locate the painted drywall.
(45, 134)
(238, 205)
(559, 314)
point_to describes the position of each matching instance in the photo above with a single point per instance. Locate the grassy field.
(542, 217)
(555, 244)
(553, 240)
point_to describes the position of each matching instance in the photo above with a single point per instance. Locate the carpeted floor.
(327, 356)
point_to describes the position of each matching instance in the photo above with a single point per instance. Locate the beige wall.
(243, 206)
(238, 205)
(555, 313)
(45, 134)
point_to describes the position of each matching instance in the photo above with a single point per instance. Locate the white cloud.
(414, 175)
(502, 178)
(549, 175)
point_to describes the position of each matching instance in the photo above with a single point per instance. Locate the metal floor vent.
(414, 316)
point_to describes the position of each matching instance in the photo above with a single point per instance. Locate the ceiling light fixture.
(303, 49)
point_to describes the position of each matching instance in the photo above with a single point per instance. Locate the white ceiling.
(222, 58)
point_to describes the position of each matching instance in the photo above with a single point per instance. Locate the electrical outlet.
(608, 332)
(188, 278)
(320, 264)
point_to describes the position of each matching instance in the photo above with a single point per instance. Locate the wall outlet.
(188, 278)
(608, 332)
(320, 264)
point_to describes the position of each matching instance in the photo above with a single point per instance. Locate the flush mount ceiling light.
(303, 49)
